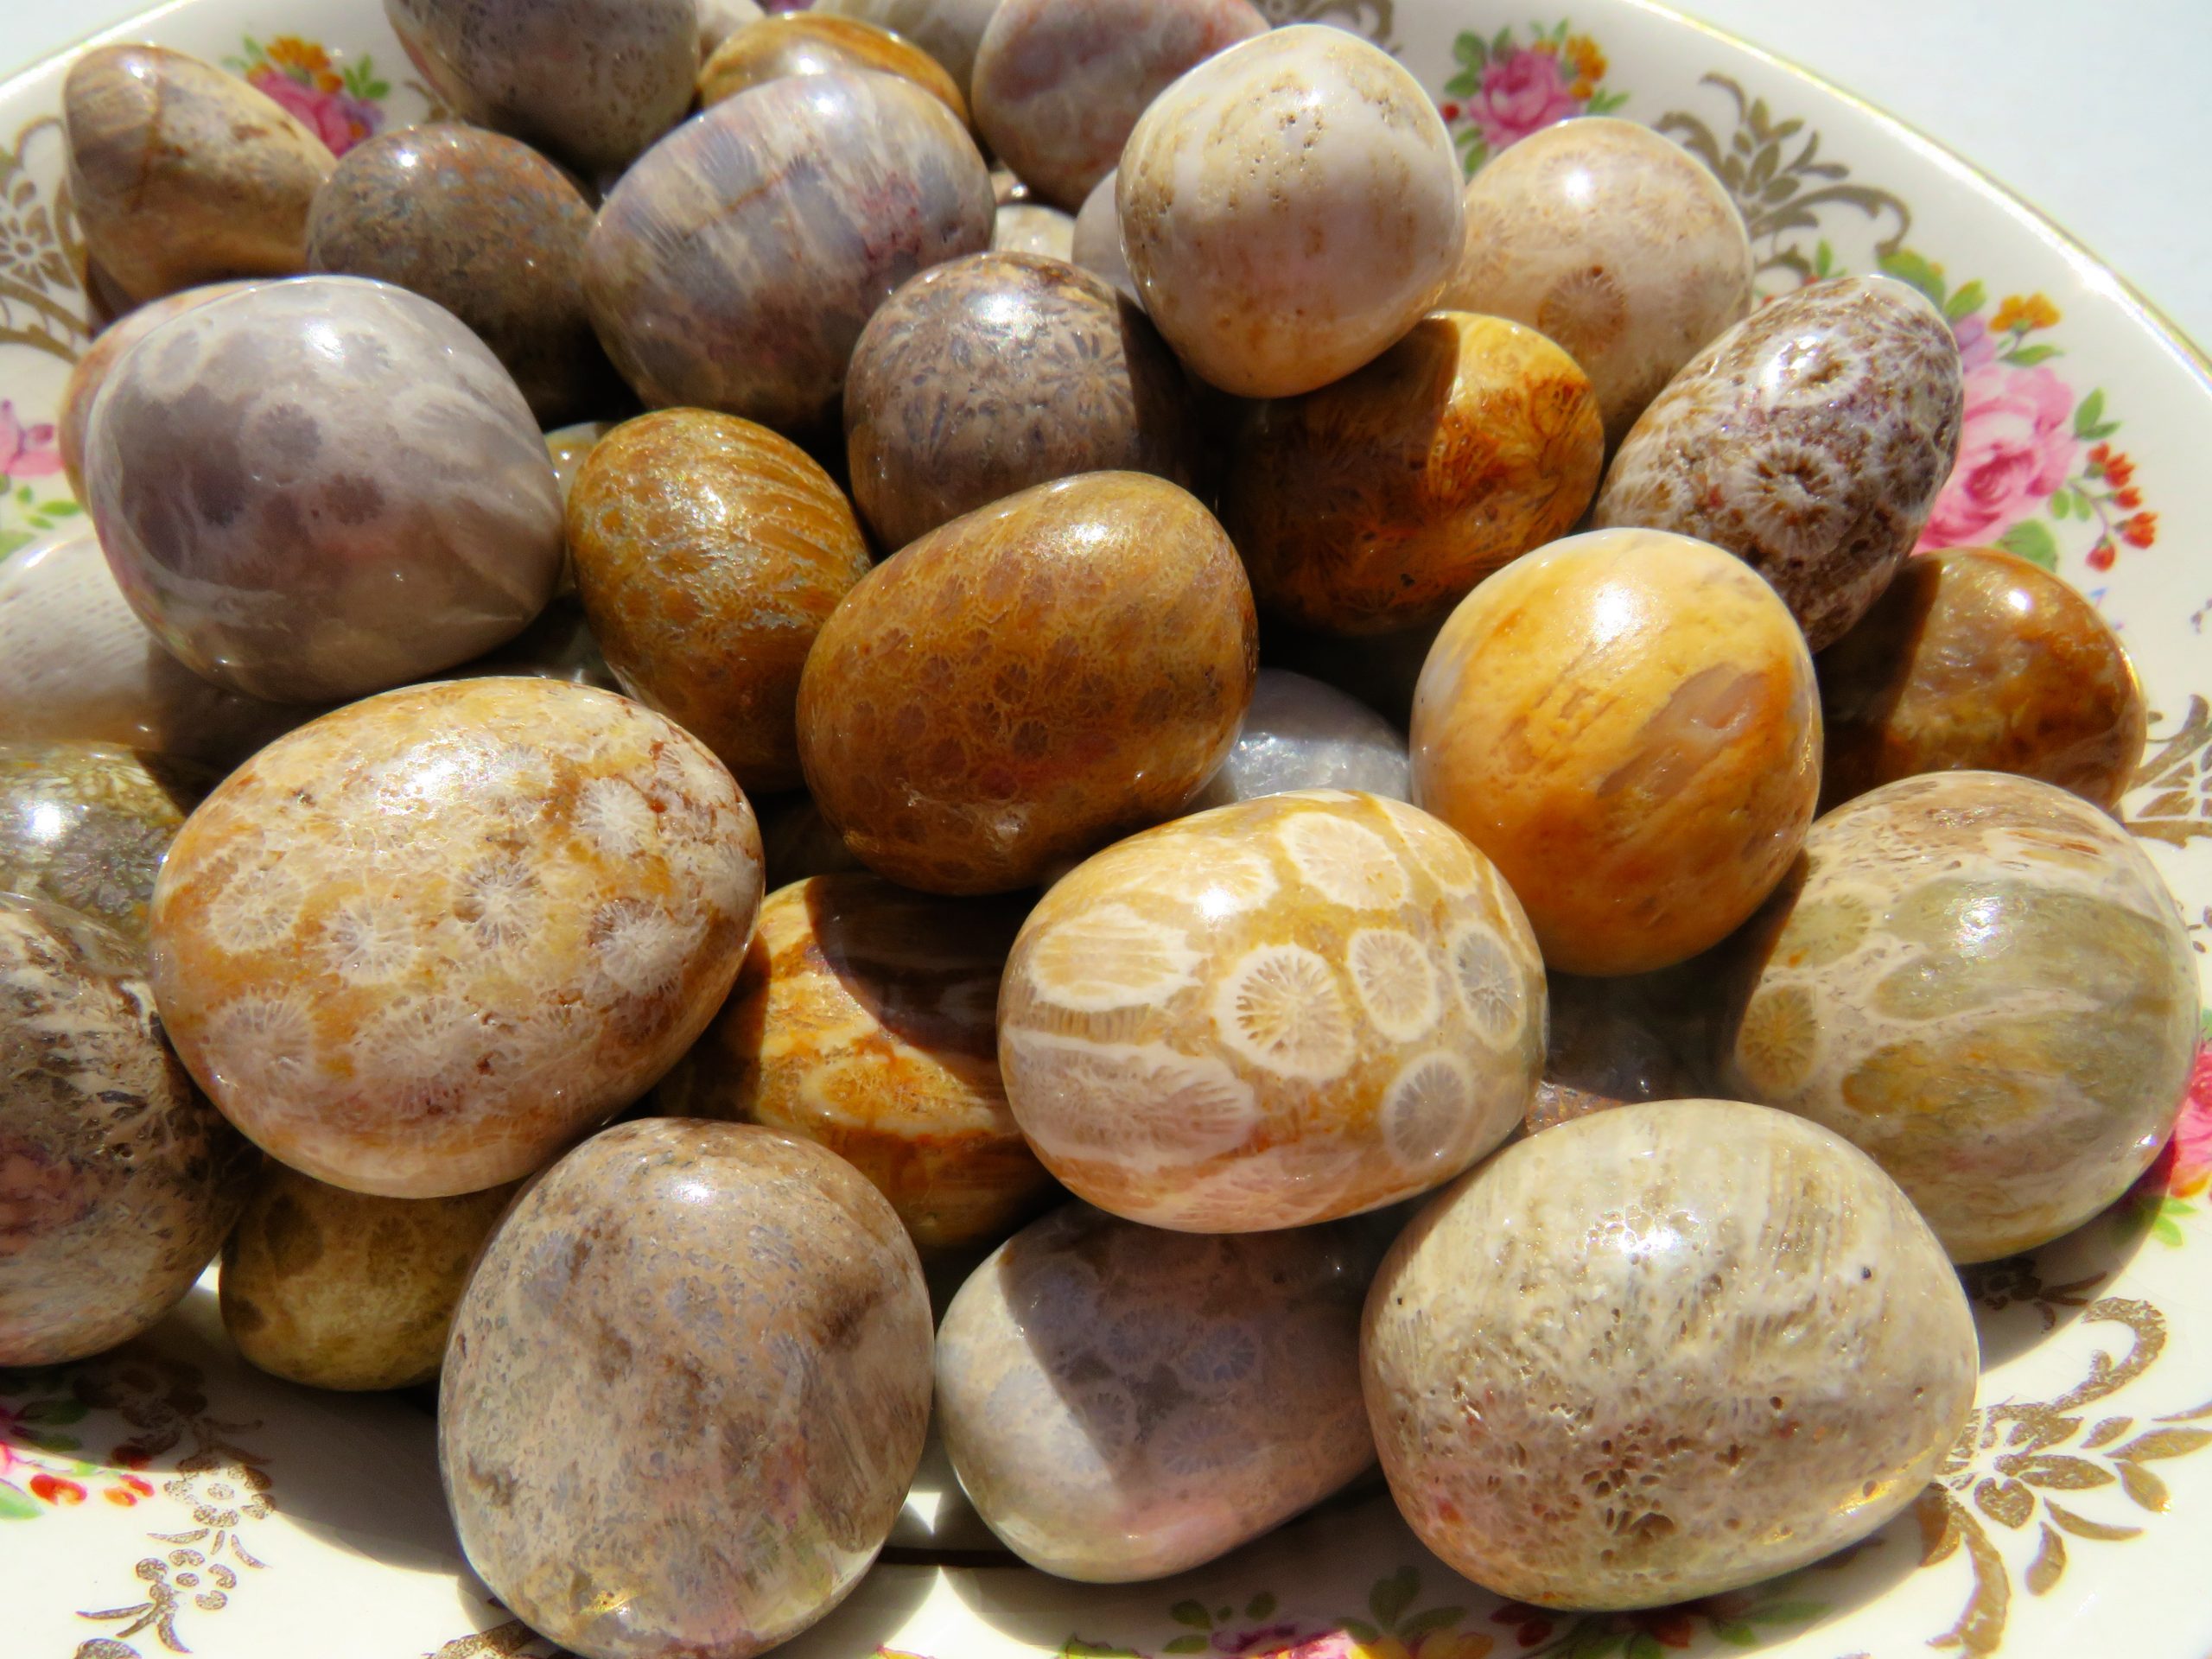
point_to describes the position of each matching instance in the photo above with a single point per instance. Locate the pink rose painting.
(340, 107)
(2016, 447)
(1506, 89)
(25, 451)
(1519, 94)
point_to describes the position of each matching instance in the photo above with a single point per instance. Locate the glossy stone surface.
(1122, 1403)
(1606, 1045)
(708, 553)
(341, 1290)
(1613, 241)
(182, 174)
(1096, 246)
(1377, 503)
(117, 1179)
(1983, 982)
(1030, 227)
(1300, 734)
(820, 43)
(1273, 1014)
(1810, 440)
(319, 488)
(83, 826)
(865, 1019)
(1627, 722)
(735, 266)
(418, 945)
(949, 30)
(780, 1410)
(589, 82)
(1766, 1354)
(1976, 661)
(569, 444)
(1028, 682)
(100, 358)
(76, 663)
(1289, 209)
(1059, 83)
(489, 228)
(990, 374)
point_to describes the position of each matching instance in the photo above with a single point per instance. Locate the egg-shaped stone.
(865, 1018)
(1030, 227)
(1974, 660)
(569, 444)
(180, 173)
(1606, 1045)
(1096, 242)
(1613, 241)
(1028, 682)
(708, 553)
(491, 230)
(734, 266)
(320, 489)
(1376, 503)
(1059, 83)
(720, 19)
(1663, 1352)
(949, 30)
(1626, 721)
(738, 1313)
(990, 374)
(820, 43)
(1289, 209)
(589, 82)
(341, 1290)
(76, 663)
(418, 946)
(1300, 734)
(1810, 440)
(117, 1179)
(1282, 1011)
(1982, 982)
(92, 371)
(1122, 1403)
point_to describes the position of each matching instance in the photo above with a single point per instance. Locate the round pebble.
(1273, 1014)
(708, 553)
(1661, 1353)
(1627, 722)
(1096, 242)
(99, 359)
(992, 373)
(720, 19)
(1982, 982)
(1376, 503)
(865, 1019)
(949, 30)
(1122, 1403)
(420, 944)
(1810, 440)
(1300, 734)
(1289, 209)
(780, 1408)
(819, 43)
(320, 489)
(1030, 227)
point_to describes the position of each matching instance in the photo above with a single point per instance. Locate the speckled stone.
(589, 82)
(1028, 682)
(1122, 1403)
(992, 373)
(489, 228)
(76, 663)
(117, 1179)
(865, 1019)
(341, 1290)
(1810, 440)
(1276, 1013)
(1300, 734)
(1289, 209)
(949, 30)
(1976, 661)
(820, 43)
(1606, 1045)
(1660, 1353)
(1059, 83)
(182, 174)
(99, 359)
(1097, 243)
(1613, 241)
(320, 489)
(708, 553)
(1377, 503)
(651, 1456)
(1627, 722)
(1032, 227)
(1983, 982)
(420, 944)
(735, 266)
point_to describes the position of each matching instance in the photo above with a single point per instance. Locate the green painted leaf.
(1910, 267)
(1393, 1595)
(17, 1505)
(1737, 1635)
(1785, 1612)
(1823, 259)
(1462, 84)
(1967, 300)
(2028, 356)
(1436, 1618)
(2164, 1231)
(1501, 43)
(1359, 1630)
(1192, 1613)
(1471, 50)
(1079, 1648)
(1261, 1606)
(1188, 1645)
(1644, 1646)
(1606, 102)
(53, 1411)
(2103, 429)
(46, 1442)
(2032, 540)
(2087, 413)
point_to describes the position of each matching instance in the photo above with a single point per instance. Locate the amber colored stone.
(817, 43)
(1975, 660)
(708, 553)
(1028, 682)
